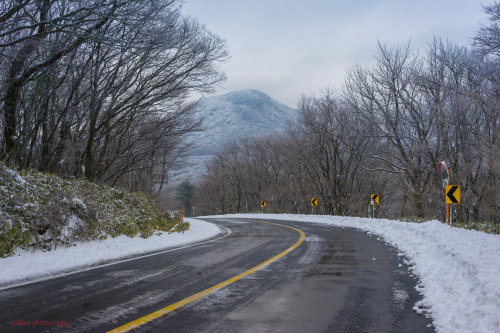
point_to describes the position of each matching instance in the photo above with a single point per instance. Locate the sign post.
(374, 201)
(452, 197)
(314, 203)
(444, 174)
(262, 205)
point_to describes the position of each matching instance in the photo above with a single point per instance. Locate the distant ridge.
(239, 114)
(236, 114)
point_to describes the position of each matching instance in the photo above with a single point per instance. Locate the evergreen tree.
(184, 193)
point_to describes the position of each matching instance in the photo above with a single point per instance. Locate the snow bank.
(458, 270)
(35, 264)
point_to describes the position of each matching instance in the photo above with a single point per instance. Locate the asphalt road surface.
(279, 276)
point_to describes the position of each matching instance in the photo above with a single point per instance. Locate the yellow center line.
(147, 318)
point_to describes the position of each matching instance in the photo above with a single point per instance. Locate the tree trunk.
(10, 126)
(89, 149)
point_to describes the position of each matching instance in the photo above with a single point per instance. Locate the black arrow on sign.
(450, 194)
(314, 202)
(375, 197)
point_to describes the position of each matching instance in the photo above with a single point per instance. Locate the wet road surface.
(335, 280)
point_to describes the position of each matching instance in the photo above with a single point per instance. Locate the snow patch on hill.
(227, 117)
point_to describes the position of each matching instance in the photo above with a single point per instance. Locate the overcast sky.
(287, 48)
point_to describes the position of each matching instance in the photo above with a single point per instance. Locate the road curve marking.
(152, 316)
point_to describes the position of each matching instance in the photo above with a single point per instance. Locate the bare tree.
(331, 149)
(100, 87)
(388, 97)
(36, 35)
(487, 41)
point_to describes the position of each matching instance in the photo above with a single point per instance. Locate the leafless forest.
(99, 88)
(384, 131)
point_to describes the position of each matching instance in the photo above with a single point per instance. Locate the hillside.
(230, 116)
(42, 211)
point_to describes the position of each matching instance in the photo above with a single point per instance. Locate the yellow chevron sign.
(314, 202)
(263, 204)
(374, 199)
(453, 194)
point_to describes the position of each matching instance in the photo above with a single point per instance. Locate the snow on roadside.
(458, 270)
(35, 264)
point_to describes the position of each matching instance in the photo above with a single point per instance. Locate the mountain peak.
(244, 94)
(240, 114)
(234, 115)
(248, 96)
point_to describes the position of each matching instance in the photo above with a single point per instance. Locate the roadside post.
(262, 205)
(182, 222)
(314, 203)
(444, 175)
(374, 201)
(452, 197)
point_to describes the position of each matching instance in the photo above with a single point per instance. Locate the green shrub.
(43, 211)
(486, 227)
(12, 237)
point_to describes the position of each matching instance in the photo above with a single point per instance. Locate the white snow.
(458, 270)
(19, 179)
(29, 265)
(79, 202)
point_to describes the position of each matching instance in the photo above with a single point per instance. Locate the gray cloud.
(289, 48)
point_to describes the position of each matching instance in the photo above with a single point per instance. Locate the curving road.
(261, 276)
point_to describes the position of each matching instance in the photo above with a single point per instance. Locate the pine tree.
(184, 193)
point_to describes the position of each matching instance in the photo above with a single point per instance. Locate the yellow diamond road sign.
(314, 202)
(374, 199)
(263, 204)
(453, 194)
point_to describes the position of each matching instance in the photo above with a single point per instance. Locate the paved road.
(335, 280)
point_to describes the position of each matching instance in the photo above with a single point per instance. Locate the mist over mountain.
(237, 114)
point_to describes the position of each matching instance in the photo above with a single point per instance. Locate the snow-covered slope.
(239, 114)
(227, 117)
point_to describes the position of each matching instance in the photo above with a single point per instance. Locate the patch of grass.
(12, 236)
(486, 227)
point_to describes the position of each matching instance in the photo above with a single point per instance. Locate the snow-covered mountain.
(239, 114)
(227, 117)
